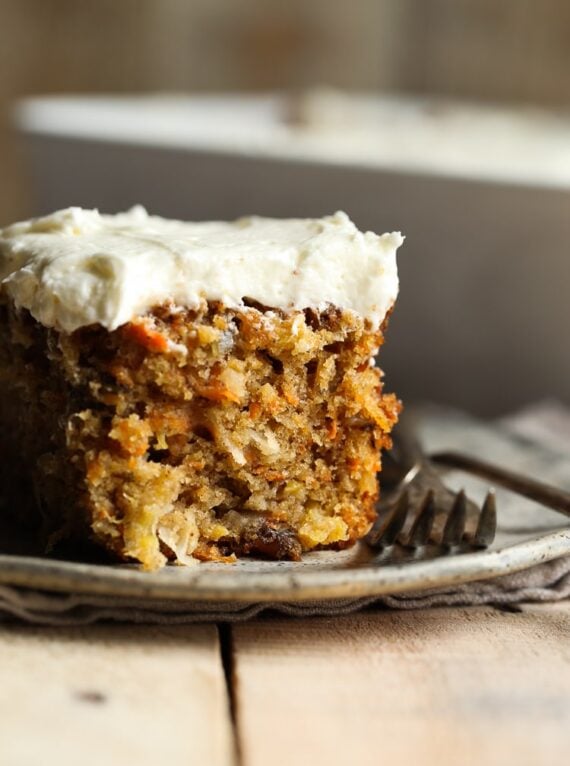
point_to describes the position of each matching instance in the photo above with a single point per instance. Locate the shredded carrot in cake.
(144, 335)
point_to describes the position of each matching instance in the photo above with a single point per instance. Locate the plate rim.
(222, 585)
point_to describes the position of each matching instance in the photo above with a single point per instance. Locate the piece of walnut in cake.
(194, 391)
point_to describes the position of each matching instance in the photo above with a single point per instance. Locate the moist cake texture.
(183, 392)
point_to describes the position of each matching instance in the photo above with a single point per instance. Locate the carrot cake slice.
(181, 391)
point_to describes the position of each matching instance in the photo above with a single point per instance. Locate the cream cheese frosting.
(78, 267)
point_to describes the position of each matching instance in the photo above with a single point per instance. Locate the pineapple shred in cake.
(194, 391)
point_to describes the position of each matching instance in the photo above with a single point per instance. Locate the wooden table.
(478, 685)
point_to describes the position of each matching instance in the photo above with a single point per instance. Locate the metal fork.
(418, 510)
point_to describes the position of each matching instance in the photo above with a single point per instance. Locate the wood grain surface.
(477, 685)
(112, 695)
(465, 686)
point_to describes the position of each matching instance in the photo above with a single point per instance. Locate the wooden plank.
(443, 686)
(112, 695)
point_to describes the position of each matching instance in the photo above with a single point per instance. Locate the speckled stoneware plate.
(325, 575)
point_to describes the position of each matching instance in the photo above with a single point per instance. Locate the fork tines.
(453, 516)
(389, 532)
(487, 526)
(422, 527)
(454, 528)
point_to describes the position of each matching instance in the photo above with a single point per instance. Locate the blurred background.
(485, 268)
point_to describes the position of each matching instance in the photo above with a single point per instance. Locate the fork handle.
(546, 494)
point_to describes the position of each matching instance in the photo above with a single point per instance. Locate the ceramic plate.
(355, 573)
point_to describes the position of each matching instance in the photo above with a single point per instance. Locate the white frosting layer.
(77, 267)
